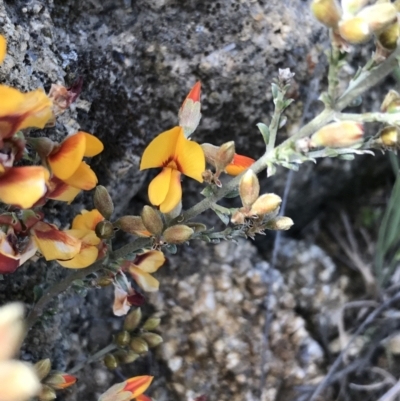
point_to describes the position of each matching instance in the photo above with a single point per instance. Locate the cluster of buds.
(355, 22)
(51, 381)
(134, 340)
(219, 157)
(150, 224)
(259, 212)
(224, 159)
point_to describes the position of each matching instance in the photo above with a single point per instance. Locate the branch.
(80, 274)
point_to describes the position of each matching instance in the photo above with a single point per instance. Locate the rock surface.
(138, 60)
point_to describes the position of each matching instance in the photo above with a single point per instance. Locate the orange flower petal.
(93, 145)
(60, 380)
(87, 220)
(3, 48)
(23, 186)
(174, 194)
(138, 385)
(53, 243)
(161, 149)
(66, 160)
(86, 256)
(11, 99)
(149, 261)
(83, 178)
(159, 186)
(239, 164)
(144, 280)
(195, 92)
(190, 158)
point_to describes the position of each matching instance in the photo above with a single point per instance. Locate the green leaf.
(224, 218)
(264, 132)
(232, 194)
(275, 90)
(207, 191)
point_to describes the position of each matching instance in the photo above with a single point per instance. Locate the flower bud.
(42, 368)
(111, 362)
(189, 113)
(139, 345)
(210, 153)
(238, 217)
(389, 136)
(391, 103)
(177, 234)
(265, 204)
(225, 155)
(47, 393)
(151, 323)
(104, 229)
(378, 16)
(133, 319)
(103, 202)
(355, 30)
(328, 12)
(132, 225)
(280, 223)
(43, 145)
(128, 356)
(122, 338)
(103, 281)
(249, 188)
(388, 38)
(60, 380)
(152, 220)
(338, 135)
(152, 339)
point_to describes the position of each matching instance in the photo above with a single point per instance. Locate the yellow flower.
(22, 110)
(175, 154)
(144, 264)
(23, 186)
(3, 48)
(83, 227)
(66, 162)
(18, 380)
(130, 389)
(76, 248)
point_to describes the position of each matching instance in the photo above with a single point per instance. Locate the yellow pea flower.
(23, 186)
(76, 248)
(176, 155)
(22, 110)
(130, 389)
(144, 264)
(66, 162)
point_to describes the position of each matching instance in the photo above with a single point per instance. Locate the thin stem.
(368, 79)
(274, 126)
(387, 118)
(93, 358)
(333, 73)
(80, 274)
